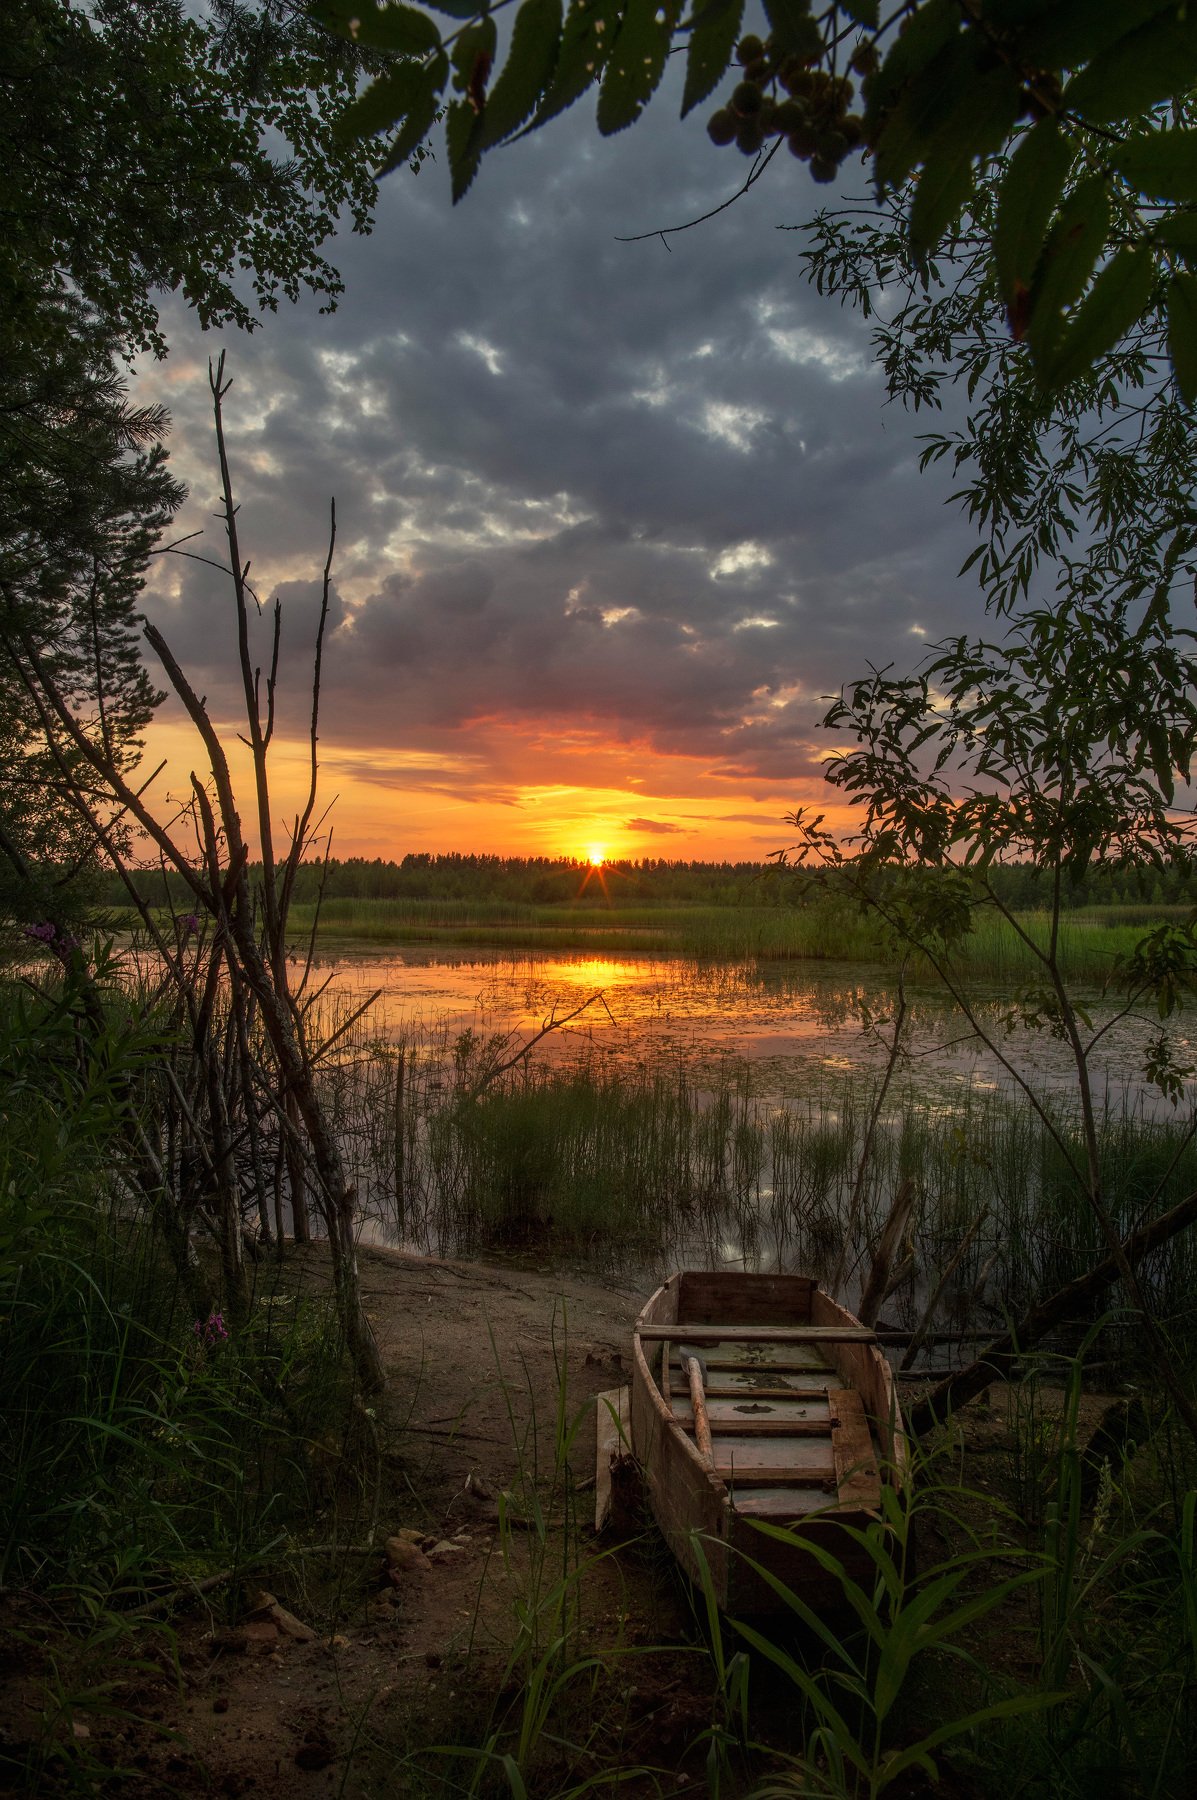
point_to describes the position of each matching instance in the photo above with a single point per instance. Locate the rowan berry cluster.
(787, 95)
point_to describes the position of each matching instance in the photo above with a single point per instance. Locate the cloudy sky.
(612, 518)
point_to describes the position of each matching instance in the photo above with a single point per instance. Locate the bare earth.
(342, 1677)
(371, 1663)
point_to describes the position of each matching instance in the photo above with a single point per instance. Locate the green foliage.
(138, 1445)
(856, 1743)
(84, 492)
(145, 147)
(97, 194)
(946, 89)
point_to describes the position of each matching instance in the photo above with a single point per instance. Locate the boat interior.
(798, 1402)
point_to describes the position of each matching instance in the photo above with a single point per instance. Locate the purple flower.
(211, 1331)
(189, 924)
(44, 933)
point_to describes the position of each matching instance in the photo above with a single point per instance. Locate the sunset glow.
(597, 856)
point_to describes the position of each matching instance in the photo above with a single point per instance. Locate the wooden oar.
(692, 1364)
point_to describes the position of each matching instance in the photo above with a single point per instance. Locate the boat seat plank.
(855, 1458)
(794, 1359)
(780, 1504)
(721, 1386)
(707, 1294)
(766, 1413)
(762, 1428)
(682, 1332)
(742, 1471)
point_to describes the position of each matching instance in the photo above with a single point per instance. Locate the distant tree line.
(657, 881)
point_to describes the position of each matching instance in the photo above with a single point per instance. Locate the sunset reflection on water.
(786, 1020)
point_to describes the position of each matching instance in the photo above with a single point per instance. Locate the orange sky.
(526, 791)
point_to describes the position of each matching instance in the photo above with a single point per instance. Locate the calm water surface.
(789, 1024)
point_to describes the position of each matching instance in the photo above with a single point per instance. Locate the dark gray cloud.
(650, 491)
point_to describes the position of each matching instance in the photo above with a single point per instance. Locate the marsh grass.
(1094, 940)
(645, 1160)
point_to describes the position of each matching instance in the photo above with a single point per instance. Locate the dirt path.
(359, 1664)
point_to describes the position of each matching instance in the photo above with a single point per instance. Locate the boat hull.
(805, 1431)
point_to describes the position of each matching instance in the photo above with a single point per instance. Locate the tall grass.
(141, 1449)
(657, 1161)
(1093, 939)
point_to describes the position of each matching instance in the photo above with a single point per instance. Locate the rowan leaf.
(1177, 232)
(865, 12)
(400, 28)
(1069, 257)
(924, 105)
(1182, 333)
(392, 97)
(461, 142)
(1161, 164)
(637, 62)
(981, 119)
(1136, 72)
(527, 72)
(416, 126)
(1031, 188)
(1116, 301)
(928, 31)
(475, 42)
(586, 40)
(1073, 32)
(716, 30)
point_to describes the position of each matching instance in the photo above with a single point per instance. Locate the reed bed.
(1094, 940)
(649, 1161)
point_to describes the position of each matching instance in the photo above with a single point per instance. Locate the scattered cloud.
(609, 517)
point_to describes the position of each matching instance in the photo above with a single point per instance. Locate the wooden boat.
(758, 1397)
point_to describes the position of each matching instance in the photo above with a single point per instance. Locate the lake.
(789, 1023)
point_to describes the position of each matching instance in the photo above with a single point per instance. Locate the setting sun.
(596, 856)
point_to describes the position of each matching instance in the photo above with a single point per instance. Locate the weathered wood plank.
(720, 1386)
(613, 1439)
(855, 1459)
(780, 1503)
(806, 1360)
(744, 1473)
(708, 1295)
(683, 1332)
(762, 1428)
(727, 1407)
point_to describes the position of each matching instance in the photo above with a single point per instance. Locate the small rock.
(410, 1535)
(404, 1557)
(292, 1627)
(80, 1730)
(444, 1551)
(265, 1609)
